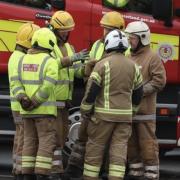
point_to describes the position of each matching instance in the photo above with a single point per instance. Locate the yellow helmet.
(44, 38)
(25, 33)
(113, 20)
(62, 20)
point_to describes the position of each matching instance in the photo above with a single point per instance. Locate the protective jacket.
(113, 101)
(36, 77)
(64, 86)
(12, 65)
(154, 79)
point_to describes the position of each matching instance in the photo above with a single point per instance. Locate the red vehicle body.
(165, 30)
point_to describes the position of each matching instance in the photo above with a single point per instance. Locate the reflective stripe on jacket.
(97, 50)
(154, 79)
(12, 66)
(64, 87)
(117, 76)
(37, 76)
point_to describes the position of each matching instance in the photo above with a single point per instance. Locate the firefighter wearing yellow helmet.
(70, 66)
(23, 43)
(34, 88)
(110, 21)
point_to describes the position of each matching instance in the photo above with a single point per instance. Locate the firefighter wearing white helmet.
(143, 146)
(109, 21)
(23, 43)
(34, 87)
(112, 81)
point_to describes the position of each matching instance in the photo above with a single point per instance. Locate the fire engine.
(163, 19)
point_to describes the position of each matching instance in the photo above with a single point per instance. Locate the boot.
(55, 176)
(72, 172)
(19, 177)
(128, 177)
(42, 177)
(29, 177)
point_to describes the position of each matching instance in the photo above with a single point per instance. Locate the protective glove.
(80, 56)
(25, 102)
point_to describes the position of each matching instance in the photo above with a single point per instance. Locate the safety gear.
(116, 40)
(25, 102)
(25, 33)
(42, 75)
(29, 177)
(62, 20)
(20, 177)
(89, 67)
(116, 3)
(140, 29)
(80, 56)
(113, 20)
(44, 38)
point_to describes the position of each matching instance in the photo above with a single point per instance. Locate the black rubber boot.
(19, 177)
(134, 178)
(42, 177)
(55, 176)
(72, 172)
(29, 177)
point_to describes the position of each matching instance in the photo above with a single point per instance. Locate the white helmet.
(116, 40)
(140, 29)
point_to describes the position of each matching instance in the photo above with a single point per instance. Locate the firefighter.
(23, 43)
(111, 20)
(35, 90)
(108, 105)
(143, 146)
(62, 24)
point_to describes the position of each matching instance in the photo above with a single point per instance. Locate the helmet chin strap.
(60, 40)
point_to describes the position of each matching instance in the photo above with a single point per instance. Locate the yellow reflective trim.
(91, 168)
(28, 158)
(116, 174)
(86, 107)
(44, 159)
(114, 111)
(106, 85)
(157, 39)
(43, 165)
(90, 173)
(96, 76)
(116, 167)
(28, 164)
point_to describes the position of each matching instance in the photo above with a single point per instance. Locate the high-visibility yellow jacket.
(64, 86)
(37, 76)
(12, 65)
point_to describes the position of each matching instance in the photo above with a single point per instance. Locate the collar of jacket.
(141, 50)
(36, 51)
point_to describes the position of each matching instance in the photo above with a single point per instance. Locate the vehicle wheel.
(74, 123)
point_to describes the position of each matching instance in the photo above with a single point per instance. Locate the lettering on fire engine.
(30, 67)
(42, 16)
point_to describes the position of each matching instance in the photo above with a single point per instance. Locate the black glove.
(80, 56)
(25, 102)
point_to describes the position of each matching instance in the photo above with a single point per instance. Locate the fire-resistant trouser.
(143, 152)
(98, 135)
(78, 152)
(39, 145)
(62, 129)
(18, 143)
